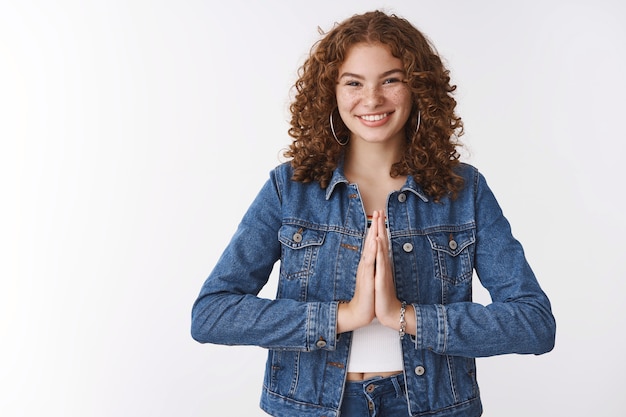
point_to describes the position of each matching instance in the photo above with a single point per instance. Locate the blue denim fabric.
(377, 397)
(317, 235)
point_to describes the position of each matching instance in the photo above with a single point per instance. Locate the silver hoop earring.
(419, 121)
(332, 129)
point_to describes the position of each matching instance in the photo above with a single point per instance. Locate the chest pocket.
(453, 254)
(300, 249)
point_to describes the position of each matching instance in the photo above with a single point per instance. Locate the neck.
(370, 160)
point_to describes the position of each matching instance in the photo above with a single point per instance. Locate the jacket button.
(402, 197)
(407, 247)
(320, 343)
(452, 244)
(297, 237)
(419, 370)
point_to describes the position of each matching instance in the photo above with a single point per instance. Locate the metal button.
(407, 247)
(453, 244)
(297, 237)
(419, 370)
(320, 343)
(402, 197)
(370, 388)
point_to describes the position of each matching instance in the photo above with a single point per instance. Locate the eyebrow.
(360, 77)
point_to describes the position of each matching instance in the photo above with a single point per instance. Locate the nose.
(373, 96)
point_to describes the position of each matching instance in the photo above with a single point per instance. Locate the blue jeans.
(377, 397)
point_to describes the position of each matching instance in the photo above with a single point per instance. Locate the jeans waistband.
(377, 386)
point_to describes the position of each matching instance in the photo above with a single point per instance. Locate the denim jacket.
(317, 235)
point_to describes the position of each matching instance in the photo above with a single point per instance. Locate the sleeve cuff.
(322, 326)
(432, 328)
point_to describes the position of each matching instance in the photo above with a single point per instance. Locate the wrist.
(390, 317)
(349, 318)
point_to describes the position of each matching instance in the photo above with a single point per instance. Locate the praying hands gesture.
(375, 291)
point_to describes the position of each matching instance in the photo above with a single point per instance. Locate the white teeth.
(374, 118)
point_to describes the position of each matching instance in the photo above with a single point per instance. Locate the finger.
(384, 283)
(382, 231)
(374, 225)
(382, 255)
(370, 245)
(381, 222)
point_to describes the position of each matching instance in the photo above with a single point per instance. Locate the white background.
(134, 134)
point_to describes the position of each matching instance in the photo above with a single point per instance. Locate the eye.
(353, 83)
(392, 80)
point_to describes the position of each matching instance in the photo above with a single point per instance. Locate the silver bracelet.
(402, 321)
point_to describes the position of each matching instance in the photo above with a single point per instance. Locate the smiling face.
(373, 101)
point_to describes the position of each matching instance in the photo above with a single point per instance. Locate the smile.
(374, 117)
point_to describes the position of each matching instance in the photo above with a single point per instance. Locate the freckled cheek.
(400, 97)
(347, 100)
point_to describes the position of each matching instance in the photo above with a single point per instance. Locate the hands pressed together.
(375, 292)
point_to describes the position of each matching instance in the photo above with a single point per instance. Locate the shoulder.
(475, 181)
(284, 167)
(282, 174)
(470, 174)
(282, 177)
(467, 171)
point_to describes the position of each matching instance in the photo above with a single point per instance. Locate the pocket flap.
(297, 237)
(452, 243)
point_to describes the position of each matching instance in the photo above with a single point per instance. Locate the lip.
(376, 119)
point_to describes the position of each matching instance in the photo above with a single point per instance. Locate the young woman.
(378, 228)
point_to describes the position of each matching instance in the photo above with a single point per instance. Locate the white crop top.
(375, 348)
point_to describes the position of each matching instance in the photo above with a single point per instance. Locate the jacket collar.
(415, 188)
(339, 178)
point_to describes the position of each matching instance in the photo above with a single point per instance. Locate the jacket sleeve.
(228, 310)
(519, 319)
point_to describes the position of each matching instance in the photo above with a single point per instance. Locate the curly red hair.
(431, 155)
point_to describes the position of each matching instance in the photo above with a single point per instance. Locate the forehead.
(367, 57)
